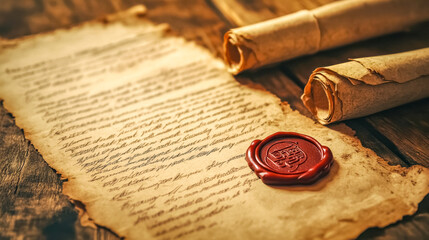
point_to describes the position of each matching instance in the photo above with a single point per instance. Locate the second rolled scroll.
(367, 85)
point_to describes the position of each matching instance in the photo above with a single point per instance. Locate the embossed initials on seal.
(286, 154)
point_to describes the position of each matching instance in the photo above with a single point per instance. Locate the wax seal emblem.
(286, 158)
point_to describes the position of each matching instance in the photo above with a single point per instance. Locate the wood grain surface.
(31, 203)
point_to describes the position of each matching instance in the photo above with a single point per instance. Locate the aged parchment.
(151, 131)
(367, 85)
(309, 31)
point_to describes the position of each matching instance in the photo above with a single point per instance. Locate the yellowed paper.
(151, 131)
(307, 32)
(367, 85)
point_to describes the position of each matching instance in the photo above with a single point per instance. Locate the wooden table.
(31, 203)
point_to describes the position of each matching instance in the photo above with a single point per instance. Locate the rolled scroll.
(307, 32)
(367, 85)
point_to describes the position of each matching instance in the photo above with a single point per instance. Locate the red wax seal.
(286, 158)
